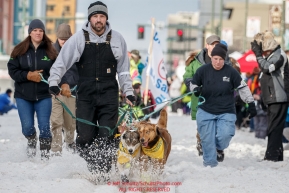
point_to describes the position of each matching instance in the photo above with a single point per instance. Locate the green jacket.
(197, 61)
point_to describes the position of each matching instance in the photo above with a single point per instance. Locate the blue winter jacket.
(4, 101)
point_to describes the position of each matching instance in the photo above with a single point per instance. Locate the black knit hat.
(97, 7)
(220, 50)
(8, 91)
(35, 23)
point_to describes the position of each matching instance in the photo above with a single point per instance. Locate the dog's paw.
(124, 179)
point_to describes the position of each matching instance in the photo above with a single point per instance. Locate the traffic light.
(180, 34)
(140, 31)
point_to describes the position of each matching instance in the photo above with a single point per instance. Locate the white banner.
(157, 74)
(253, 26)
(227, 36)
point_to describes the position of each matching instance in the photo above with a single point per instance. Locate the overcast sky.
(125, 15)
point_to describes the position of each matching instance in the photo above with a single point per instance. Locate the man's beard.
(98, 28)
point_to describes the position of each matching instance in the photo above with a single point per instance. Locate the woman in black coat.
(31, 59)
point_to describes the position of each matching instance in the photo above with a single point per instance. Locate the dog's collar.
(117, 135)
(123, 154)
(157, 151)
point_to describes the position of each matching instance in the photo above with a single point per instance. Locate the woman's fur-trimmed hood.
(192, 56)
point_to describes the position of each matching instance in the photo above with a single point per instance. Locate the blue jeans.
(26, 111)
(216, 132)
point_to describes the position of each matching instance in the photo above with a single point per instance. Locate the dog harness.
(123, 156)
(157, 151)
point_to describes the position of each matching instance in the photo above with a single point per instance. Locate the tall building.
(56, 12)
(232, 27)
(23, 12)
(6, 26)
(210, 9)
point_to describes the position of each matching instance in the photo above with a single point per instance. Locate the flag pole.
(149, 62)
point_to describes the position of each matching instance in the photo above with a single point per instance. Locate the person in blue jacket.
(5, 103)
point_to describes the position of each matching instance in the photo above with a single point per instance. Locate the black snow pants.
(276, 121)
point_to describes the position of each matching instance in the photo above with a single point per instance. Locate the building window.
(66, 8)
(49, 31)
(50, 7)
(49, 20)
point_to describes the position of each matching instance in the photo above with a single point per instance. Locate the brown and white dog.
(155, 140)
(129, 151)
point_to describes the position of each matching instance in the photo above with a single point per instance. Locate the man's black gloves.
(197, 91)
(252, 110)
(54, 90)
(131, 98)
(256, 48)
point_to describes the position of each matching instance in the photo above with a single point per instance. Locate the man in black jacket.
(274, 80)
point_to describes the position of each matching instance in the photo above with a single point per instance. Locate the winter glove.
(54, 90)
(271, 68)
(256, 48)
(65, 90)
(252, 110)
(130, 99)
(197, 91)
(34, 76)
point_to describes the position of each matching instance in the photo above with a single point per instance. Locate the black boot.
(45, 145)
(220, 155)
(31, 145)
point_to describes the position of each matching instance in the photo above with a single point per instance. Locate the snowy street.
(240, 172)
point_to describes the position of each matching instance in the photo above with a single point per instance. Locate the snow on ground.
(240, 172)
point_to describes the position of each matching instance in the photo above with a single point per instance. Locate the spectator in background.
(239, 103)
(186, 99)
(260, 120)
(136, 66)
(224, 43)
(253, 84)
(274, 80)
(5, 103)
(253, 79)
(137, 108)
(152, 103)
(31, 59)
(175, 91)
(60, 119)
